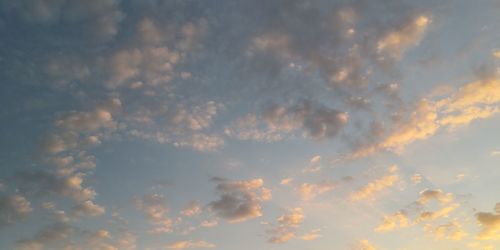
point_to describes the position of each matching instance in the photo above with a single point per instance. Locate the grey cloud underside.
(239, 200)
(13, 208)
(234, 207)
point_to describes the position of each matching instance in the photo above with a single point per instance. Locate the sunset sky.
(250, 124)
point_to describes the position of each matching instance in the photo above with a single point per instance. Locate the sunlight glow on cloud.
(130, 124)
(377, 185)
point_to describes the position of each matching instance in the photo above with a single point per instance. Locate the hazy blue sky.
(259, 124)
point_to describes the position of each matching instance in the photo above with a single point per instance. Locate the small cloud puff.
(240, 200)
(190, 244)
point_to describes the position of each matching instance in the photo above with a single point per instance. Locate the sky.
(264, 124)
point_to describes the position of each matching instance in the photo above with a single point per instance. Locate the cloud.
(29, 245)
(180, 125)
(314, 165)
(496, 53)
(315, 120)
(421, 125)
(286, 181)
(364, 245)
(152, 66)
(62, 235)
(419, 213)
(434, 194)
(200, 142)
(450, 231)
(490, 224)
(475, 100)
(192, 209)
(88, 208)
(396, 41)
(416, 178)
(190, 244)
(209, 223)
(155, 208)
(252, 127)
(309, 191)
(394, 221)
(240, 200)
(50, 235)
(13, 208)
(376, 186)
(281, 236)
(293, 219)
(45, 182)
(440, 213)
(101, 117)
(285, 226)
(57, 143)
(75, 125)
(57, 215)
(338, 42)
(312, 235)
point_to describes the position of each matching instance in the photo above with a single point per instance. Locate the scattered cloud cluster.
(155, 208)
(193, 75)
(314, 120)
(419, 213)
(448, 231)
(473, 101)
(286, 226)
